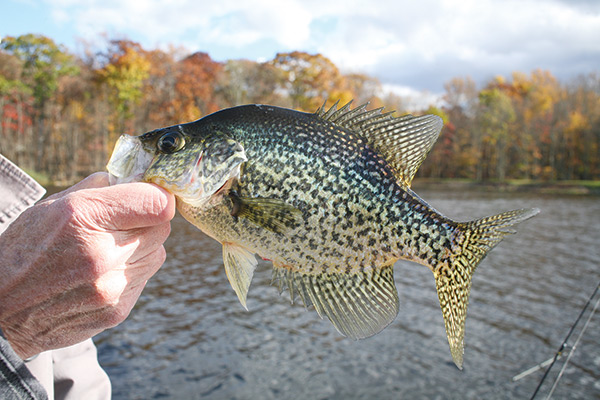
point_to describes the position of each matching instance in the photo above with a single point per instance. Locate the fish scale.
(326, 197)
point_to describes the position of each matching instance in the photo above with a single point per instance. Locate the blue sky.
(410, 46)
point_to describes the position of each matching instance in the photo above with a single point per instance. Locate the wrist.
(16, 347)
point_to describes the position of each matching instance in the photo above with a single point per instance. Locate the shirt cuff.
(18, 191)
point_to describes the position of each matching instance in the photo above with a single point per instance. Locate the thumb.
(96, 180)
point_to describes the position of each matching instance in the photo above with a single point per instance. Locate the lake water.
(189, 338)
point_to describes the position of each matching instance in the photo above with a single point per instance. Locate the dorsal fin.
(404, 141)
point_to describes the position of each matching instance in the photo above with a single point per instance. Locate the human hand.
(74, 264)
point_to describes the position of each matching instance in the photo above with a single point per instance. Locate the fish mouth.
(129, 161)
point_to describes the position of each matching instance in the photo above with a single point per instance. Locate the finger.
(148, 240)
(123, 207)
(144, 268)
(138, 205)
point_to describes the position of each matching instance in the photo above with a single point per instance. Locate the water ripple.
(189, 338)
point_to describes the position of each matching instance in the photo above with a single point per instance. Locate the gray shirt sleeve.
(17, 192)
(16, 382)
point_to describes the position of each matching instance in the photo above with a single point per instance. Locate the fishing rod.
(562, 347)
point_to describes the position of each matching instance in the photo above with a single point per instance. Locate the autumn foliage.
(61, 113)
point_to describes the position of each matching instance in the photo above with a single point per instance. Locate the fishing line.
(564, 343)
(562, 370)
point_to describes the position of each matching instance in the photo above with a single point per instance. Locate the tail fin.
(453, 278)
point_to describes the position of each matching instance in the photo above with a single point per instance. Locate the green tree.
(124, 73)
(13, 96)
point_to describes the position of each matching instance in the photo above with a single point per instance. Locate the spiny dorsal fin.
(359, 305)
(240, 264)
(404, 142)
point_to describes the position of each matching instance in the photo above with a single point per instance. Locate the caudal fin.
(453, 275)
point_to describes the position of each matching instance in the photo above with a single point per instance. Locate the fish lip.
(115, 180)
(128, 161)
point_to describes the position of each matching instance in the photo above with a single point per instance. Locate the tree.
(461, 104)
(13, 95)
(43, 64)
(310, 80)
(362, 88)
(124, 73)
(495, 117)
(246, 81)
(158, 101)
(195, 87)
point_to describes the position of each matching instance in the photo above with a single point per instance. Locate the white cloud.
(478, 38)
(417, 44)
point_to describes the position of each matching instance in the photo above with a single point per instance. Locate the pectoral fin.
(272, 214)
(359, 305)
(240, 264)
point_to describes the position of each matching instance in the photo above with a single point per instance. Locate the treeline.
(60, 113)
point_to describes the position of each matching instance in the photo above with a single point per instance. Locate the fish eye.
(171, 142)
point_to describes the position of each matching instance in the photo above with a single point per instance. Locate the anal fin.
(359, 305)
(240, 264)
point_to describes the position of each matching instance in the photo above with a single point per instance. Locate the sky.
(412, 47)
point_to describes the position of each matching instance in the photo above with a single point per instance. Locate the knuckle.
(162, 204)
(81, 210)
(72, 204)
(166, 230)
(93, 263)
(161, 256)
(110, 288)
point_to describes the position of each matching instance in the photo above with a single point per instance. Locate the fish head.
(191, 166)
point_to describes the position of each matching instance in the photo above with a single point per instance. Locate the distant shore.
(512, 185)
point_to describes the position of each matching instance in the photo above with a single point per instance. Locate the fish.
(327, 198)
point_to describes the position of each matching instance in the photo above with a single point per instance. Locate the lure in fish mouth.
(327, 198)
(194, 169)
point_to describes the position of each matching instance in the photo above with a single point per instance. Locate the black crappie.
(326, 197)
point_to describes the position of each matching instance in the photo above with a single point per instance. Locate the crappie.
(326, 197)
